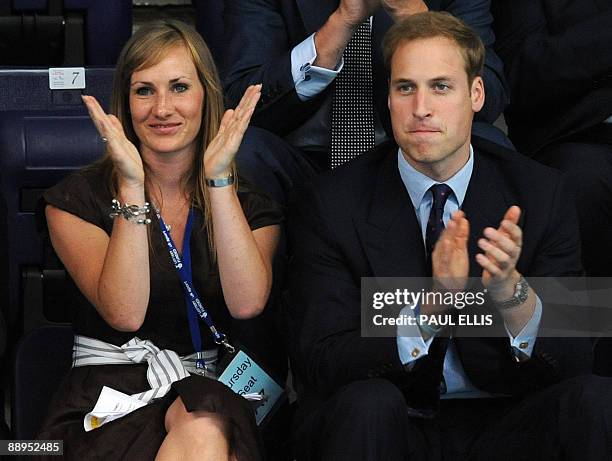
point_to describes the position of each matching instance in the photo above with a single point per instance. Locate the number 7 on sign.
(66, 78)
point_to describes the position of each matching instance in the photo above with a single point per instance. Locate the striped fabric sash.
(164, 366)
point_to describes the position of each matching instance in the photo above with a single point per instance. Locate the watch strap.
(220, 182)
(521, 293)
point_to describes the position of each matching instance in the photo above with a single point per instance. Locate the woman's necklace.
(178, 213)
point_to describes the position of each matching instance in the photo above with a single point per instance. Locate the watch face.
(524, 290)
(520, 295)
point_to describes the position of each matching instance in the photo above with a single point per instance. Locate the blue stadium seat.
(42, 359)
(44, 135)
(64, 32)
(4, 431)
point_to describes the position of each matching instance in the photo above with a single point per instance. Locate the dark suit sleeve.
(557, 254)
(325, 307)
(477, 14)
(545, 61)
(259, 51)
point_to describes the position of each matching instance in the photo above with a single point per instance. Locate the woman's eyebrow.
(173, 80)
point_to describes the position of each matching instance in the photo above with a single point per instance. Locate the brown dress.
(139, 434)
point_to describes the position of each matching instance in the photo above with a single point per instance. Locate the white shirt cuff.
(310, 80)
(410, 343)
(525, 340)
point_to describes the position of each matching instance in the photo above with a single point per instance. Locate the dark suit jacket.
(261, 34)
(558, 60)
(359, 221)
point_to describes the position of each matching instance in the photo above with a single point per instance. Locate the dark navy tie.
(423, 396)
(435, 224)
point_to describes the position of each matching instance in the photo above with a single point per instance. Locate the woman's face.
(166, 103)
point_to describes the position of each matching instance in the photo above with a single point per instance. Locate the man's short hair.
(437, 24)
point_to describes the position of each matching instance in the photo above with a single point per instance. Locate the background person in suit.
(295, 48)
(558, 62)
(380, 398)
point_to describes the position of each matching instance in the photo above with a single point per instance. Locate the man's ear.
(477, 94)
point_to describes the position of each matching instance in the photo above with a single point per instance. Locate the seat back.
(44, 135)
(2, 335)
(64, 32)
(42, 359)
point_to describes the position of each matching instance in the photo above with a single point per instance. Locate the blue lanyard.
(195, 308)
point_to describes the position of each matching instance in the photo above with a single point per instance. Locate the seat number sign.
(66, 78)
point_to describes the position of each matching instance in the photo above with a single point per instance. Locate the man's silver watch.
(521, 292)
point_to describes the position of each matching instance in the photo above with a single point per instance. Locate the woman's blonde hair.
(146, 48)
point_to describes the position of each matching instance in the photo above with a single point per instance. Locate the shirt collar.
(417, 184)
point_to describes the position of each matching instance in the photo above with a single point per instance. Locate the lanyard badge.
(243, 375)
(195, 308)
(247, 378)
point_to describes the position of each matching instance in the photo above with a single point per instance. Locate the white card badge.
(249, 380)
(66, 78)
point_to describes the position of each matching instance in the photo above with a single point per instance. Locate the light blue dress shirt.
(310, 80)
(410, 343)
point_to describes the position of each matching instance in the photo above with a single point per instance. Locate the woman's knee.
(177, 416)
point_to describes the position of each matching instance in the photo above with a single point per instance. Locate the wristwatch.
(220, 182)
(521, 291)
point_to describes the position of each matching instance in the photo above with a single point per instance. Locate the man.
(295, 48)
(380, 216)
(558, 59)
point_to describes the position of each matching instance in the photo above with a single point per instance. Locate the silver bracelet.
(220, 182)
(521, 293)
(130, 212)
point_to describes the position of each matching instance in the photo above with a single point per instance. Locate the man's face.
(432, 105)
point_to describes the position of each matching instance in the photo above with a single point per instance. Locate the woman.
(167, 144)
